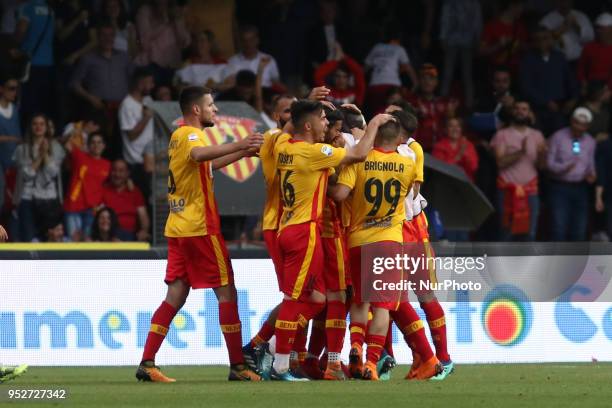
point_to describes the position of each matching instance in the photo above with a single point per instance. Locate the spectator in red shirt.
(504, 37)
(433, 110)
(595, 62)
(128, 203)
(89, 171)
(342, 68)
(457, 149)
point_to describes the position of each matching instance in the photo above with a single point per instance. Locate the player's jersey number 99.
(375, 192)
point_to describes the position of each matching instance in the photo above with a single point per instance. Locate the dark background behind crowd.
(514, 92)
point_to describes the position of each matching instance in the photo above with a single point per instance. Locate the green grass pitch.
(491, 386)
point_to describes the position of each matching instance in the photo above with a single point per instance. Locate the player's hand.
(381, 119)
(328, 104)
(253, 141)
(319, 93)
(352, 107)
(3, 234)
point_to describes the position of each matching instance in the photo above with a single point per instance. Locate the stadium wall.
(68, 312)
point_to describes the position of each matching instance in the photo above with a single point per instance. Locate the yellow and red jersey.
(193, 209)
(303, 170)
(273, 205)
(379, 187)
(331, 222)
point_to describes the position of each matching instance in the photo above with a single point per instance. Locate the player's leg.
(359, 316)
(302, 258)
(434, 313)
(177, 293)
(425, 364)
(387, 359)
(375, 339)
(335, 323)
(316, 344)
(231, 327)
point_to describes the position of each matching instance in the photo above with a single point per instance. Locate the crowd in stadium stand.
(516, 93)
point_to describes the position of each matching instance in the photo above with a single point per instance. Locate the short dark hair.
(303, 108)
(351, 120)
(277, 99)
(139, 74)
(333, 115)
(246, 78)
(191, 95)
(406, 120)
(388, 132)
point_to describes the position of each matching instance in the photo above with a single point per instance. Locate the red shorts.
(416, 242)
(336, 261)
(355, 256)
(302, 260)
(271, 240)
(202, 261)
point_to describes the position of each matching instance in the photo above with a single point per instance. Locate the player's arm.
(359, 152)
(420, 166)
(345, 184)
(207, 153)
(228, 159)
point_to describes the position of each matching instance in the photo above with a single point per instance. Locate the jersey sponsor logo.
(230, 129)
(176, 205)
(327, 150)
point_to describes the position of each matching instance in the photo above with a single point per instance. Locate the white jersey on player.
(413, 205)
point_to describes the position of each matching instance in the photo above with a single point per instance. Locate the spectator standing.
(101, 80)
(504, 37)
(35, 32)
(494, 108)
(202, 68)
(163, 35)
(347, 83)
(596, 59)
(433, 110)
(126, 37)
(571, 162)
(89, 172)
(571, 28)
(519, 151)
(460, 28)
(547, 82)
(136, 124)
(325, 36)
(244, 90)
(38, 189)
(10, 131)
(250, 57)
(386, 62)
(128, 203)
(598, 102)
(105, 226)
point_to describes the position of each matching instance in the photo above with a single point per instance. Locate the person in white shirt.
(250, 56)
(136, 124)
(388, 60)
(572, 27)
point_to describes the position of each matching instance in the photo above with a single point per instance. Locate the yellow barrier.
(75, 246)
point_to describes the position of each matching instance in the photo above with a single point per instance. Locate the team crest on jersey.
(327, 150)
(229, 129)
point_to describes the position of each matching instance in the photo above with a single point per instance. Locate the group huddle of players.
(335, 186)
